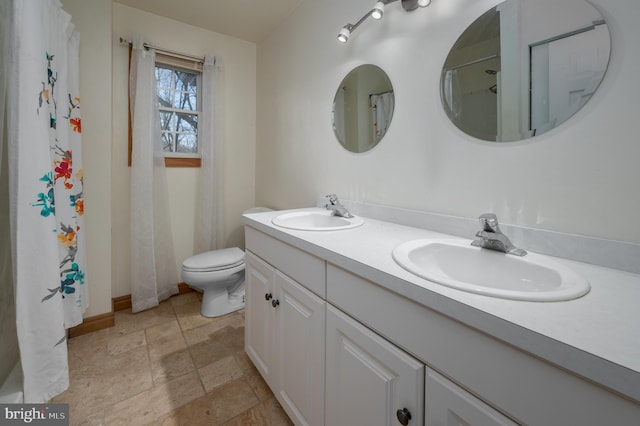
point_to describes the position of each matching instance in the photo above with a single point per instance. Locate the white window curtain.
(209, 223)
(154, 274)
(46, 203)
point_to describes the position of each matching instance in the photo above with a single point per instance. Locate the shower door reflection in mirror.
(524, 67)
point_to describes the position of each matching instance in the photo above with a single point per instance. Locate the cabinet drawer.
(303, 267)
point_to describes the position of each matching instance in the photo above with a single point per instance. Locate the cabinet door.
(260, 315)
(447, 404)
(368, 380)
(300, 351)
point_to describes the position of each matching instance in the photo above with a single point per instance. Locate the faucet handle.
(489, 222)
(332, 198)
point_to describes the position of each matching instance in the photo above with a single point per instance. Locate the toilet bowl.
(220, 276)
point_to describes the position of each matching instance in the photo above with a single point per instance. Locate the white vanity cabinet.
(340, 342)
(285, 339)
(369, 381)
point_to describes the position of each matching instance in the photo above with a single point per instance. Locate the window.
(178, 83)
(178, 102)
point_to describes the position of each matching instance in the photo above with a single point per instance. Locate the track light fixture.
(377, 13)
(378, 10)
(345, 32)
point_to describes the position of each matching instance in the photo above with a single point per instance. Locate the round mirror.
(363, 108)
(524, 67)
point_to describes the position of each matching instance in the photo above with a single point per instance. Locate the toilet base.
(218, 302)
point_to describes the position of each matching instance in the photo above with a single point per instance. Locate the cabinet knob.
(403, 416)
(275, 303)
(267, 296)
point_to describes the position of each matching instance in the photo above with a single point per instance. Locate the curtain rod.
(165, 51)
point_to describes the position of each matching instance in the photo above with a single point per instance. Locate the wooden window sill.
(182, 162)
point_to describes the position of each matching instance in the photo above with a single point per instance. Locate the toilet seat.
(215, 260)
(213, 268)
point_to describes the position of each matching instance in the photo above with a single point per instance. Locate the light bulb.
(344, 34)
(424, 3)
(378, 10)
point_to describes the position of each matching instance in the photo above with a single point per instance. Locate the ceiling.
(250, 20)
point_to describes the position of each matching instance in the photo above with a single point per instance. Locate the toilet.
(220, 276)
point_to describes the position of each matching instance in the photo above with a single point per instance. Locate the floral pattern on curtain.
(46, 191)
(65, 185)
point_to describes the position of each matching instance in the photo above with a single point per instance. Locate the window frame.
(173, 159)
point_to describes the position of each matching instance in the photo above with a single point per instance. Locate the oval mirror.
(524, 67)
(363, 108)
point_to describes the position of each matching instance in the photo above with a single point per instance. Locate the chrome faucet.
(490, 237)
(335, 206)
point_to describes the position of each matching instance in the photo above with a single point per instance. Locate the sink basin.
(459, 265)
(316, 220)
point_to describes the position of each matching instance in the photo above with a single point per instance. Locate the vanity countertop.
(596, 336)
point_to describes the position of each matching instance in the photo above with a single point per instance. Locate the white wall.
(239, 130)
(92, 19)
(581, 177)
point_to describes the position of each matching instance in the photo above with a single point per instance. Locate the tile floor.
(168, 366)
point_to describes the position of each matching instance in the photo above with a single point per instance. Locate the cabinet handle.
(267, 296)
(403, 416)
(275, 303)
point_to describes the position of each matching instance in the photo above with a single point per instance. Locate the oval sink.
(459, 265)
(320, 220)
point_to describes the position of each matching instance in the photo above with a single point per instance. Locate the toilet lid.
(215, 260)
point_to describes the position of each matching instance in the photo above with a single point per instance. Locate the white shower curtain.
(209, 224)
(382, 106)
(338, 116)
(153, 266)
(46, 191)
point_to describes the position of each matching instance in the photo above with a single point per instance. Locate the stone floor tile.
(203, 333)
(127, 322)
(94, 419)
(218, 373)
(134, 411)
(267, 413)
(117, 378)
(176, 393)
(189, 316)
(126, 342)
(222, 343)
(164, 339)
(215, 407)
(127, 376)
(260, 387)
(170, 366)
(246, 364)
(88, 349)
(182, 299)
